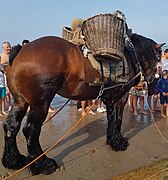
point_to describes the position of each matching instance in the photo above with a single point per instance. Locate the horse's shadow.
(92, 131)
(96, 130)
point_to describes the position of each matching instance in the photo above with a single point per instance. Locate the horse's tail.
(13, 53)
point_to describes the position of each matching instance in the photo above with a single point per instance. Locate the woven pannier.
(104, 35)
(67, 33)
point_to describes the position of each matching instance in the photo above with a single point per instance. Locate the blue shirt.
(162, 85)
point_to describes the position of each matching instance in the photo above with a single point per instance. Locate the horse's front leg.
(12, 158)
(114, 116)
(31, 131)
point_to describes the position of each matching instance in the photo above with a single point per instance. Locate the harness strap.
(102, 72)
(121, 89)
(123, 71)
(134, 60)
(133, 56)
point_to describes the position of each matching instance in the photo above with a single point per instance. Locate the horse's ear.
(157, 46)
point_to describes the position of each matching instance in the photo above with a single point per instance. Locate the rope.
(65, 135)
(153, 120)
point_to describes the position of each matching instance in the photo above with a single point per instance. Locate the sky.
(31, 19)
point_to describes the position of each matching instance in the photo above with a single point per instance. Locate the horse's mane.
(15, 50)
(144, 46)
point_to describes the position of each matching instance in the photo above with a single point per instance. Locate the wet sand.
(84, 155)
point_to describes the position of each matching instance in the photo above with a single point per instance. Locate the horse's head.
(148, 54)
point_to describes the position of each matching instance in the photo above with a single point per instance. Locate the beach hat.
(76, 23)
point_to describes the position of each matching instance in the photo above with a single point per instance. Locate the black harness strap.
(102, 72)
(132, 54)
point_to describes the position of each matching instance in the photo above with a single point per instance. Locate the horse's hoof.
(14, 162)
(119, 144)
(45, 166)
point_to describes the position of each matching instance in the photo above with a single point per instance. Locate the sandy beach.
(84, 155)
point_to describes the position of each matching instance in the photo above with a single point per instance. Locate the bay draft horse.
(51, 65)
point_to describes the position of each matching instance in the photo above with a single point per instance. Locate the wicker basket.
(67, 33)
(104, 35)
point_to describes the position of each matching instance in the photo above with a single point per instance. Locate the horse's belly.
(81, 92)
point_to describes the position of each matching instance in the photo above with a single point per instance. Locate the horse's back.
(46, 64)
(46, 52)
(48, 44)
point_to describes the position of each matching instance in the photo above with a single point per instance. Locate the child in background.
(162, 86)
(2, 89)
(139, 91)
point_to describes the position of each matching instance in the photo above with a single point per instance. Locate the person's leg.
(149, 103)
(131, 102)
(162, 110)
(162, 98)
(8, 100)
(166, 110)
(83, 104)
(135, 100)
(100, 107)
(155, 102)
(142, 105)
(90, 104)
(166, 105)
(3, 96)
(3, 106)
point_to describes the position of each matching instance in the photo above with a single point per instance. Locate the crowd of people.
(156, 93)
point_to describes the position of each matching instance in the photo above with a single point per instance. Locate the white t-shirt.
(2, 80)
(164, 64)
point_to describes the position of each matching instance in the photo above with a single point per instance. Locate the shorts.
(163, 99)
(152, 91)
(2, 92)
(152, 88)
(139, 93)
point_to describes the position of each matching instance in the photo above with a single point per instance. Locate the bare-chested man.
(4, 56)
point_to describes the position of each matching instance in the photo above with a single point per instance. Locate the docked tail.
(13, 53)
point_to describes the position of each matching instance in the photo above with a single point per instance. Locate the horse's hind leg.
(12, 159)
(32, 130)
